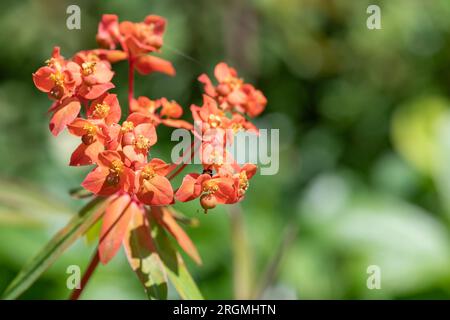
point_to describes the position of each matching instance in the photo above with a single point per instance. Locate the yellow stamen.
(88, 67)
(214, 121)
(57, 78)
(210, 187)
(127, 126)
(142, 142)
(243, 183)
(148, 173)
(101, 110)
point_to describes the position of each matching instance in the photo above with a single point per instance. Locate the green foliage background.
(364, 119)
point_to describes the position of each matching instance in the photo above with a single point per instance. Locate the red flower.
(161, 111)
(93, 140)
(105, 108)
(110, 176)
(209, 116)
(153, 187)
(59, 78)
(96, 75)
(232, 93)
(137, 135)
(211, 190)
(108, 31)
(241, 177)
(143, 37)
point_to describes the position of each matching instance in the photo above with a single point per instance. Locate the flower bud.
(208, 201)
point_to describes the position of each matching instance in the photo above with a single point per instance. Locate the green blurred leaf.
(51, 252)
(174, 265)
(144, 259)
(414, 131)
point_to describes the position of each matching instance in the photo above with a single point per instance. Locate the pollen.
(234, 83)
(243, 183)
(127, 126)
(88, 68)
(142, 142)
(116, 167)
(57, 78)
(101, 110)
(236, 127)
(214, 121)
(148, 173)
(90, 128)
(210, 187)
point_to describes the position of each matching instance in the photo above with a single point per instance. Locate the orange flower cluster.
(80, 89)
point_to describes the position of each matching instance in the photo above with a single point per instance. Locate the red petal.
(79, 157)
(222, 72)
(175, 123)
(64, 115)
(115, 223)
(95, 180)
(148, 131)
(148, 64)
(77, 127)
(107, 157)
(42, 79)
(166, 219)
(189, 188)
(156, 191)
(95, 91)
(209, 88)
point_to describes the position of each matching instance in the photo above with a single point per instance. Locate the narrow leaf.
(165, 218)
(176, 270)
(53, 250)
(143, 257)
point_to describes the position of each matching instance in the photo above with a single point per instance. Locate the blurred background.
(364, 119)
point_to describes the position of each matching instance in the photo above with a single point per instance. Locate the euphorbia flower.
(59, 78)
(147, 107)
(137, 135)
(111, 56)
(96, 75)
(108, 31)
(105, 108)
(110, 176)
(240, 175)
(211, 190)
(93, 139)
(153, 187)
(209, 116)
(161, 111)
(232, 93)
(143, 37)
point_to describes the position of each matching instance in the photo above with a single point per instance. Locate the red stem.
(130, 81)
(87, 275)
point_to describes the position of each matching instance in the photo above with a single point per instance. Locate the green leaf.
(93, 233)
(144, 258)
(79, 224)
(176, 269)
